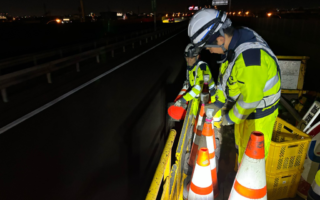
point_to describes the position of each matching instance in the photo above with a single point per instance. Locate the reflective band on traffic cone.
(195, 145)
(201, 183)
(201, 114)
(250, 182)
(208, 132)
(314, 192)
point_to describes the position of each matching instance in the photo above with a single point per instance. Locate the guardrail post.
(78, 67)
(124, 49)
(98, 59)
(4, 95)
(49, 78)
(112, 53)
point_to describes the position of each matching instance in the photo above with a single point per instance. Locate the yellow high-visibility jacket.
(252, 79)
(195, 77)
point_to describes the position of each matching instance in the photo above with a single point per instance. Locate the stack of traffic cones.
(208, 132)
(250, 181)
(197, 129)
(201, 183)
(195, 145)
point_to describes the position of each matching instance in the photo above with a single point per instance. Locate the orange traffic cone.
(201, 115)
(208, 132)
(201, 183)
(197, 137)
(250, 182)
(182, 92)
(178, 112)
(195, 145)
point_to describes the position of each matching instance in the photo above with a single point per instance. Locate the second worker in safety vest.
(196, 70)
(249, 75)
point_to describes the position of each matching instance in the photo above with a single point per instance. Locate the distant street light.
(270, 14)
(55, 20)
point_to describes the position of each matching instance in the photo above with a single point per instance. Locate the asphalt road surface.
(102, 142)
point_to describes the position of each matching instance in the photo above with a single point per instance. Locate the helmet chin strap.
(223, 60)
(223, 49)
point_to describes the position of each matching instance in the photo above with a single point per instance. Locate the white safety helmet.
(204, 24)
(191, 51)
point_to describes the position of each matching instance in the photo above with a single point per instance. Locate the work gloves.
(178, 103)
(186, 84)
(181, 103)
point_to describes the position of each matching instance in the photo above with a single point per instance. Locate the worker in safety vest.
(314, 192)
(196, 70)
(249, 75)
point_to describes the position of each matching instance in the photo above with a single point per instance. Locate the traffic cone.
(201, 115)
(208, 132)
(201, 183)
(197, 130)
(250, 182)
(178, 112)
(182, 92)
(314, 192)
(195, 145)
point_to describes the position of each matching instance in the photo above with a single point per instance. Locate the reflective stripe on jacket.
(195, 77)
(252, 78)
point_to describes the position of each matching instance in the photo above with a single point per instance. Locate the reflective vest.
(314, 192)
(256, 88)
(195, 78)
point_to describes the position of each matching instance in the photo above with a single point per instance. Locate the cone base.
(177, 113)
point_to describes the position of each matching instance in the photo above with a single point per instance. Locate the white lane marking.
(42, 108)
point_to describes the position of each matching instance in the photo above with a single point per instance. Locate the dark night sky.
(59, 7)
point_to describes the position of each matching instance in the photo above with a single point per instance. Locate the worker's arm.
(197, 88)
(250, 78)
(218, 99)
(211, 83)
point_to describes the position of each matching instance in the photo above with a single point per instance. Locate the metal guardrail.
(61, 52)
(173, 181)
(177, 175)
(163, 170)
(20, 76)
(177, 172)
